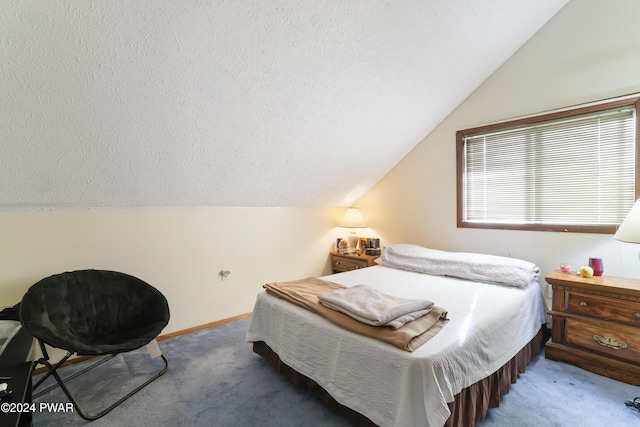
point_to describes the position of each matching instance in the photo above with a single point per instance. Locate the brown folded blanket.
(305, 293)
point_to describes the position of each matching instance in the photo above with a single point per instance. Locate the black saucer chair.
(93, 313)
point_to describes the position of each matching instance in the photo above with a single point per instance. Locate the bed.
(493, 330)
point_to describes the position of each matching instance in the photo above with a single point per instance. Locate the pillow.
(464, 265)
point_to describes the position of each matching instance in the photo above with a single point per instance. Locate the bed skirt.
(469, 407)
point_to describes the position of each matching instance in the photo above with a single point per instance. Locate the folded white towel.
(375, 308)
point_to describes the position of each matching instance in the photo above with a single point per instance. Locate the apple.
(586, 271)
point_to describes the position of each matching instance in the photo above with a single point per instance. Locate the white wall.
(179, 251)
(589, 51)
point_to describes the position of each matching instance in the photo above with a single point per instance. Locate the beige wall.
(589, 51)
(179, 251)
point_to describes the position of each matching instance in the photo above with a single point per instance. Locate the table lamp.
(629, 230)
(353, 219)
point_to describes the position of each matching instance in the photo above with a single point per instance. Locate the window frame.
(629, 100)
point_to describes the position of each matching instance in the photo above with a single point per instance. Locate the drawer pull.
(636, 315)
(609, 342)
(583, 304)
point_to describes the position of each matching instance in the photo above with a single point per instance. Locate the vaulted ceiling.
(247, 103)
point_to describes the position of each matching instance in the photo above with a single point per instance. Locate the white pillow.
(464, 265)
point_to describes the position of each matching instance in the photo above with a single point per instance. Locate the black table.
(20, 397)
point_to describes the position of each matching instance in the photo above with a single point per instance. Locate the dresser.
(596, 324)
(348, 262)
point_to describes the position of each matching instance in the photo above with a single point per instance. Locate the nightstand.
(348, 262)
(596, 324)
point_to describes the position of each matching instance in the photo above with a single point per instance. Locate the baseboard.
(164, 337)
(205, 326)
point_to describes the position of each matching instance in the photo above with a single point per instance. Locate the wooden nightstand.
(596, 324)
(348, 262)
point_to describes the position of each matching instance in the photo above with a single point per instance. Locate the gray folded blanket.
(373, 307)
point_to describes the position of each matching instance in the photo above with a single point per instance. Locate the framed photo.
(373, 244)
(363, 243)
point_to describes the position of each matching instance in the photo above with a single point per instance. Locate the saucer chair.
(93, 313)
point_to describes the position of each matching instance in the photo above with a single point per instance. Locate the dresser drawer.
(621, 342)
(603, 307)
(348, 263)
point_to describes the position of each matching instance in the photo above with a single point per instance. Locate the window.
(570, 170)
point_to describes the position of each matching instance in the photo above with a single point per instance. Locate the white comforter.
(488, 325)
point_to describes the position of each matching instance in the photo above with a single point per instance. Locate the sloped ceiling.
(247, 103)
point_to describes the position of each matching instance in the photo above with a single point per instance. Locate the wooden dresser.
(348, 262)
(596, 324)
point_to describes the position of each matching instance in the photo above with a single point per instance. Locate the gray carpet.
(215, 379)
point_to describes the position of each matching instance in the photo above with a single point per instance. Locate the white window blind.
(577, 170)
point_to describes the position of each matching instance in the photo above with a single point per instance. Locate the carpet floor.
(215, 379)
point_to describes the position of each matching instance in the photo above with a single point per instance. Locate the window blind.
(577, 170)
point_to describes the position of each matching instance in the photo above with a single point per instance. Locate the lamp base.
(353, 241)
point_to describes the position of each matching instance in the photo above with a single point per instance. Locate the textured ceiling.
(163, 103)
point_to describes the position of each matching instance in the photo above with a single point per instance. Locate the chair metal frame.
(52, 370)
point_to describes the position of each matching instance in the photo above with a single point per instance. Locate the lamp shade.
(629, 230)
(353, 219)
